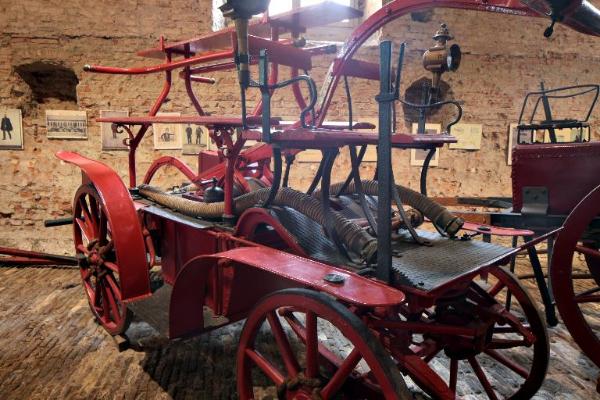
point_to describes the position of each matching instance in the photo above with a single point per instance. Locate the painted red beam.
(192, 119)
(167, 66)
(10, 256)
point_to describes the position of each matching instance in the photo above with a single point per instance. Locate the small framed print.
(168, 136)
(468, 136)
(112, 137)
(66, 124)
(11, 123)
(417, 156)
(196, 139)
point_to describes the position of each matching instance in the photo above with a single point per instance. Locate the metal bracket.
(535, 200)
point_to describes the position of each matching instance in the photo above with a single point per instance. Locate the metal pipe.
(168, 66)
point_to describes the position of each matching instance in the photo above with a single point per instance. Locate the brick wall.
(504, 57)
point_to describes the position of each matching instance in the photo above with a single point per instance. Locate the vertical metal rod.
(541, 283)
(384, 165)
(266, 96)
(548, 113)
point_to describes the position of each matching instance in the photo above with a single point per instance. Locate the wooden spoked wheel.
(301, 344)
(508, 359)
(575, 275)
(98, 262)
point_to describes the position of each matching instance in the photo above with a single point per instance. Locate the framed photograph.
(468, 136)
(168, 136)
(195, 140)
(66, 124)
(11, 123)
(417, 156)
(113, 138)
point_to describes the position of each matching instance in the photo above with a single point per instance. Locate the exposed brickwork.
(504, 58)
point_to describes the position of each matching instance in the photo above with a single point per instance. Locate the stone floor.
(51, 348)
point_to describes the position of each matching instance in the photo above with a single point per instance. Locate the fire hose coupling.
(454, 226)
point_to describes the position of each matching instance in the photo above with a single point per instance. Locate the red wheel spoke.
(340, 376)
(94, 210)
(85, 230)
(112, 266)
(82, 249)
(510, 329)
(502, 359)
(102, 228)
(85, 274)
(291, 364)
(270, 371)
(87, 219)
(507, 344)
(453, 373)
(497, 288)
(588, 251)
(113, 306)
(97, 295)
(299, 330)
(312, 345)
(113, 286)
(587, 298)
(482, 378)
(105, 303)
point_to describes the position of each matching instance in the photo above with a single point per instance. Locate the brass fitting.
(440, 58)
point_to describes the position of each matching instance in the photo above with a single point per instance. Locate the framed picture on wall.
(66, 124)
(11, 123)
(196, 139)
(417, 156)
(112, 137)
(468, 136)
(168, 136)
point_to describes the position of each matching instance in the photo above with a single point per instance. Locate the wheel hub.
(93, 259)
(300, 388)
(467, 315)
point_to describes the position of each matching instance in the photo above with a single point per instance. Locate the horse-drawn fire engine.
(237, 242)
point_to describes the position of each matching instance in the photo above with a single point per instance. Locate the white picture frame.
(66, 124)
(417, 156)
(113, 140)
(196, 138)
(168, 136)
(11, 137)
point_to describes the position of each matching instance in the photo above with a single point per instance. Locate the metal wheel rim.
(379, 361)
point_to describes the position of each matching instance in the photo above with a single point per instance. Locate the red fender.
(126, 230)
(189, 291)
(172, 161)
(253, 217)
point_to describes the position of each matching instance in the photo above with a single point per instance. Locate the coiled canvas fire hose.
(436, 213)
(356, 238)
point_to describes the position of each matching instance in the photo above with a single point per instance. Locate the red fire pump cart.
(238, 243)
